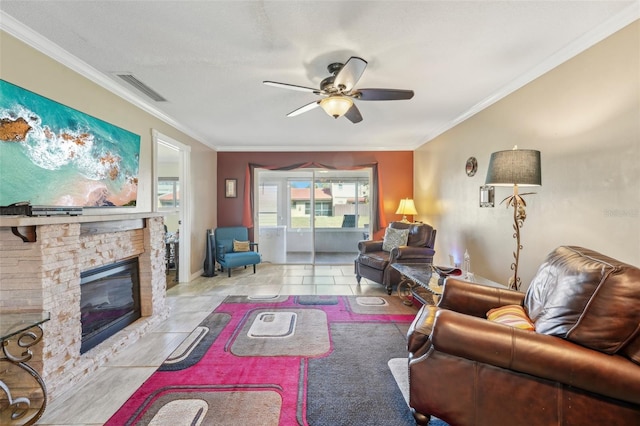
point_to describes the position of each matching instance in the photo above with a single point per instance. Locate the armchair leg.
(229, 269)
(254, 268)
(389, 289)
(421, 419)
(358, 277)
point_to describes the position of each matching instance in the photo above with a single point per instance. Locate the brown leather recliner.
(373, 262)
(580, 366)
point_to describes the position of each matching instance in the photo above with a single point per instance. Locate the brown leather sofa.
(373, 262)
(580, 366)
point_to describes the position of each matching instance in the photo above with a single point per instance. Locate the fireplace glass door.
(109, 301)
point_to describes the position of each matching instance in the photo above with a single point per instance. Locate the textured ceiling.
(209, 58)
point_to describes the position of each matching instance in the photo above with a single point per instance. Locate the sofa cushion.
(511, 315)
(241, 258)
(586, 297)
(419, 235)
(394, 238)
(376, 260)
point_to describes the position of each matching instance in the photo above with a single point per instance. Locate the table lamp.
(406, 207)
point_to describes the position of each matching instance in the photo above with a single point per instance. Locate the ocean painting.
(53, 155)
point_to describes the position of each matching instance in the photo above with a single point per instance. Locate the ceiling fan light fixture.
(336, 106)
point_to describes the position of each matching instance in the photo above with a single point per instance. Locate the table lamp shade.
(407, 207)
(514, 167)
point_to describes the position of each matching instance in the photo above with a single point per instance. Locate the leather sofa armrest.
(411, 253)
(539, 355)
(476, 299)
(367, 246)
(420, 330)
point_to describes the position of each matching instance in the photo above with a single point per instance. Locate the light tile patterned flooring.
(95, 400)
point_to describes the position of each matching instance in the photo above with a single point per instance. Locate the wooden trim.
(89, 228)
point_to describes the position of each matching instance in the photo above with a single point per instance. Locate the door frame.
(184, 207)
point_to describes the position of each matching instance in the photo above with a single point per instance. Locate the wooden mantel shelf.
(11, 221)
(25, 226)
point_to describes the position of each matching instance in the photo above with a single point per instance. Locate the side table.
(423, 282)
(18, 333)
(418, 280)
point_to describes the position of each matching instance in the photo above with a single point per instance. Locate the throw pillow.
(240, 245)
(511, 315)
(394, 238)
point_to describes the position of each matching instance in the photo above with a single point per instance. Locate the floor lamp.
(518, 167)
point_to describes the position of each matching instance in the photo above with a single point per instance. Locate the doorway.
(312, 216)
(171, 189)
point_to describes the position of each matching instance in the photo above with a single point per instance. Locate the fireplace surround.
(41, 263)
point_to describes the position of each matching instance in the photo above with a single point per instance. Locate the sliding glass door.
(341, 214)
(312, 216)
(299, 215)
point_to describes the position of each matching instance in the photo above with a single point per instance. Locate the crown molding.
(25, 34)
(328, 148)
(611, 26)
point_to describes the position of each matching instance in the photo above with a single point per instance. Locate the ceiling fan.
(338, 91)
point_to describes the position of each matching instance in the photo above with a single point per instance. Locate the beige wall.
(28, 68)
(584, 117)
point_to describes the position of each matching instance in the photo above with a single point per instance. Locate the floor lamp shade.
(514, 167)
(518, 167)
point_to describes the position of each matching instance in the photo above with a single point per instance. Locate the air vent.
(132, 80)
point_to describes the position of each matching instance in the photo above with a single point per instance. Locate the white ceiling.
(209, 58)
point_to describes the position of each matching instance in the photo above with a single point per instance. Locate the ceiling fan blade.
(382, 94)
(302, 109)
(350, 73)
(353, 114)
(293, 87)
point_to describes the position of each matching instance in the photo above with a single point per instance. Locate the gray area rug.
(353, 385)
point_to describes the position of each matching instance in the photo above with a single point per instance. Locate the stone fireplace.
(42, 264)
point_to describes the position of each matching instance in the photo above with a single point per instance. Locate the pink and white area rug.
(286, 360)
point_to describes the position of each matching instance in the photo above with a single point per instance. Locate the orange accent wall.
(395, 168)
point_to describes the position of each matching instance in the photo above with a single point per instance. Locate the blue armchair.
(229, 258)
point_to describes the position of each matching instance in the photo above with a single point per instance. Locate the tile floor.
(97, 398)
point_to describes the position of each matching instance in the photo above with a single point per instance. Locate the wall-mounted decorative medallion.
(472, 166)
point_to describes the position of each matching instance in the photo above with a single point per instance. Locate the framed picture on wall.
(54, 155)
(230, 188)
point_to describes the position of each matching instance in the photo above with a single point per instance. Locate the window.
(336, 201)
(323, 208)
(168, 196)
(268, 208)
